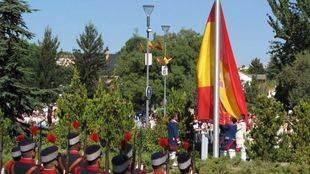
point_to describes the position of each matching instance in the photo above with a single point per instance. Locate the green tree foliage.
(292, 32)
(109, 114)
(183, 47)
(72, 103)
(47, 71)
(293, 82)
(256, 67)
(71, 106)
(16, 97)
(7, 142)
(301, 133)
(252, 92)
(266, 143)
(89, 58)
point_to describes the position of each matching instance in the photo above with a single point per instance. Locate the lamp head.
(165, 28)
(148, 9)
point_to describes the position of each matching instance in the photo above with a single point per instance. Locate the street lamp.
(148, 9)
(165, 29)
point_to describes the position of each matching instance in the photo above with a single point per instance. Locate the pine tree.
(89, 59)
(256, 67)
(252, 92)
(47, 70)
(293, 82)
(292, 32)
(16, 97)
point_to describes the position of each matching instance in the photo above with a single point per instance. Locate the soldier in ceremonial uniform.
(185, 163)
(127, 150)
(49, 158)
(26, 165)
(230, 138)
(75, 159)
(16, 154)
(159, 161)
(173, 137)
(93, 155)
(120, 164)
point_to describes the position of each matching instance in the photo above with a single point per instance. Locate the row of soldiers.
(73, 162)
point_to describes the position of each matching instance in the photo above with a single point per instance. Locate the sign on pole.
(164, 70)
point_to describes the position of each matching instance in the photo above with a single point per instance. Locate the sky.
(117, 20)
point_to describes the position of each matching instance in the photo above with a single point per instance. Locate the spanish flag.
(232, 100)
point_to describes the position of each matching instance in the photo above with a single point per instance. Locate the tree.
(252, 92)
(293, 82)
(183, 47)
(301, 133)
(266, 141)
(89, 59)
(72, 103)
(16, 97)
(256, 67)
(47, 70)
(71, 107)
(292, 32)
(110, 115)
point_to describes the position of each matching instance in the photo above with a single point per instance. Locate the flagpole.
(216, 80)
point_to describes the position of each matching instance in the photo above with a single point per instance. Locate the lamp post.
(165, 29)
(148, 9)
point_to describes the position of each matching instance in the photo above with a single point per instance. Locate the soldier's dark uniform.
(26, 165)
(127, 149)
(185, 163)
(93, 154)
(120, 164)
(16, 154)
(159, 160)
(49, 157)
(74, 157)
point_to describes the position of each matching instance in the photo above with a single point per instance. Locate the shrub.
(267, 142)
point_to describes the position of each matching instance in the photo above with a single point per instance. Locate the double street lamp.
(164, 68)
(148, 9)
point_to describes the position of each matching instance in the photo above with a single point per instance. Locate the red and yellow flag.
(231, 93)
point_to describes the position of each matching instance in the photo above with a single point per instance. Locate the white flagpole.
(216, 80)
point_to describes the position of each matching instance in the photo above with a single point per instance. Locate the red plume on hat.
(76, 124)
(94, 137)
(185, 146)
(51, 138)
(163, 142)
(34, 130)
(127, 136)
(20, 137)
